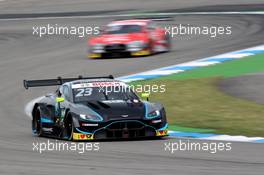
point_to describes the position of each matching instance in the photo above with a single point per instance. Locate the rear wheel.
(36, 123)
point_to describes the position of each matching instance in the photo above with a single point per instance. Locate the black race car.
(88, 108)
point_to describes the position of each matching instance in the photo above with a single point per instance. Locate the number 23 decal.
(84, 92)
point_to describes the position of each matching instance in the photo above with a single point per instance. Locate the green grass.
(193, 101)
(174, 127)
(228, 69)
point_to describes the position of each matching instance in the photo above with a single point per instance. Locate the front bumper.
(117, 50)
(118, 54)
(122, 130)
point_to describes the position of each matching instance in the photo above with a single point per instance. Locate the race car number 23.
(84, 92)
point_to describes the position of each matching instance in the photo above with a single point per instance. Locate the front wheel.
(168, 42)
(68, 128)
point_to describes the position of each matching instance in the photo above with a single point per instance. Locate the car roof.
(94, 80)
(141, 22)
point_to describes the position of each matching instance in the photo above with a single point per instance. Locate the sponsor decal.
(78, 136)
(162, 133)
(141, 53)
(156, 121)
(97, 84)
(89, 124)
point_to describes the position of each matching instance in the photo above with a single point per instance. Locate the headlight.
(91, 117)
(135, 44)
(98, 47)
(153, 114)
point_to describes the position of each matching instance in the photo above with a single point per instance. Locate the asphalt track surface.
(55, 6)
(26, 56)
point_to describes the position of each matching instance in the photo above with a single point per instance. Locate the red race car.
(129, 38)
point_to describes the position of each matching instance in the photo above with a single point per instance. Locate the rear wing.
(58, 81)
(157, 18)
(149, 17)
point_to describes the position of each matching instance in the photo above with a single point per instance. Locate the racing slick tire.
(68, 128)
(36, 123)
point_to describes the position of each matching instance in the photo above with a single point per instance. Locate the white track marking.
(162, 72)
(134, 79)
(234, 55)
(233, 138)
(258, 48)
(199, 64)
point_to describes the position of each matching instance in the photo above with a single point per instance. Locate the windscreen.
(102, 94)
(122, 29)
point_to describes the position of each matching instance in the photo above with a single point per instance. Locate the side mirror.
(145, 95)
(59, 99)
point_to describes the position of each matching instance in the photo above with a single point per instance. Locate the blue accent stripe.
(101, 118)
(143, 76)
(191, 134)
(259, 141)
(180, 68)
(218, 60)
(163, 128)
(252, 51)
(44, 119)
(83, 132)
